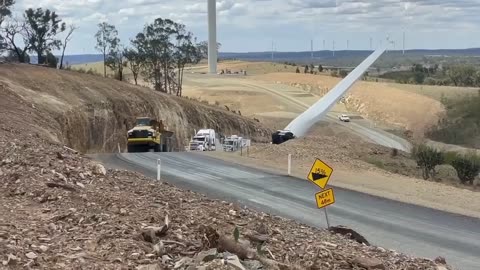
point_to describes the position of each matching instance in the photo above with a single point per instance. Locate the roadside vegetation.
(461, 124)
(428, 158)
(429, 163)
(433, 74)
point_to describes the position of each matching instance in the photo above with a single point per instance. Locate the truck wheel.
(157, 148)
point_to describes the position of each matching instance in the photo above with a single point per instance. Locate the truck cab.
(204, 140)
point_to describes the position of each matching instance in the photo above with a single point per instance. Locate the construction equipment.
(204, 140)
(149, 134)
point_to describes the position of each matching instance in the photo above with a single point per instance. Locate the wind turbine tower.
(212, 36)
(333, 48)
(311, 48)
(403, 50)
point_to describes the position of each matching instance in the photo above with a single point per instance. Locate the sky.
(290, 25)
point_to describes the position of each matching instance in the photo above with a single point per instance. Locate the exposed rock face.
(93, 114)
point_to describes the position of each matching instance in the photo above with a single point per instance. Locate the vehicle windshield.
(200, 139)
(229, 142)
(143, 122)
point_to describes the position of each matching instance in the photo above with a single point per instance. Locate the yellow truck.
(149, 134)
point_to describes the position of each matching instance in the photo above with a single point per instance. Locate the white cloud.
(253, 24)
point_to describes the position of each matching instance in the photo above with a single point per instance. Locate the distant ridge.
(328, 54)
(75, 59)
(302, 56)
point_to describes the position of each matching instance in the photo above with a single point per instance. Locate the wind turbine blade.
(300, 125)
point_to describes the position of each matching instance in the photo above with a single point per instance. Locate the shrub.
(343, 73)
(430, 81)
(467, 167)
(394, 152)
(427, 158)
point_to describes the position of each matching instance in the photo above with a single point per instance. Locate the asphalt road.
(403, 227)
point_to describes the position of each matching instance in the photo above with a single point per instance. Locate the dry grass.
(252, 68)
(376, 101)
(436, 92)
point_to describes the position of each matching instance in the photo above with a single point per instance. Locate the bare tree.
(12, 30)
(68, 37)
(134, 61)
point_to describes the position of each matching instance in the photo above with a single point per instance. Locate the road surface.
(406, 228)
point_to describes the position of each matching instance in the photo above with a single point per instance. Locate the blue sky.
(252, 25)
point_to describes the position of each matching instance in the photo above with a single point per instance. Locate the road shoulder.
(382, 184)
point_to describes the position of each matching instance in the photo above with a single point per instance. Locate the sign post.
(326, 217)
(159, 169)
(320, 175)
(289, 169)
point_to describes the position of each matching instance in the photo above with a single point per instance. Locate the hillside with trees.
(461, 125)
(159, 53)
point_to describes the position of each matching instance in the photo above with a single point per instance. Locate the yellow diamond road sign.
(320, 173)
(325, 198)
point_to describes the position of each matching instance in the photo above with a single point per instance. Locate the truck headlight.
(150, 134)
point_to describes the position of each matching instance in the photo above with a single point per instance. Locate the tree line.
(36, 31)
(159, 53)
(452, 75)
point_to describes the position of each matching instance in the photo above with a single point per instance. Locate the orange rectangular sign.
(325, 198)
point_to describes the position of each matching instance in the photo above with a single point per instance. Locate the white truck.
(232, 143)
(204, 140)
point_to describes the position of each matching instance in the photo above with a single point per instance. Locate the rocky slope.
(91, 113)
(62, 211)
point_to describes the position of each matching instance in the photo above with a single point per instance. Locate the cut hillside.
(376, 101)
(92, 114)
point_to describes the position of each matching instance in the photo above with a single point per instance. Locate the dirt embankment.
(93, 114)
